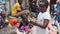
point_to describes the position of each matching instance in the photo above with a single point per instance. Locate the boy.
(16, 8)
(12, 21)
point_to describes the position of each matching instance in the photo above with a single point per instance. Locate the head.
(3, 14)
(20, 1)
(43, 5)
(24, 17)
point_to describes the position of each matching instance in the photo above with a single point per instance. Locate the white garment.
(40, 18)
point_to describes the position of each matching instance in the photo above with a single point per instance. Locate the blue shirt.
(58, 17)
(58, 6)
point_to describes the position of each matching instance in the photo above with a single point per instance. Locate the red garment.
(13, 21)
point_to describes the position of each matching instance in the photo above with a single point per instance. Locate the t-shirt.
(40, 19)
(15, 8)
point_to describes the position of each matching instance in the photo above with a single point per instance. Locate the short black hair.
(20, 1)
(43, 2)
(22, 16)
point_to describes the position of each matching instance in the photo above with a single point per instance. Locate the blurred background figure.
(16, 8)
(2, 23)
(33, 8)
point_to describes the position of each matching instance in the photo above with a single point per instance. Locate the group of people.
(35, 25)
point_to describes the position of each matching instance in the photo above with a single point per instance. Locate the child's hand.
(33, 19)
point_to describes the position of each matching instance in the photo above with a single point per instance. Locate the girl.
(25, 24)
(43, 18)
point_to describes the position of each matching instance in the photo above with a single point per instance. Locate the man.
(16, 9)
(41, 24)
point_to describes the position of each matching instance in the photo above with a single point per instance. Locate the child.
(43, 19)
(25, 24)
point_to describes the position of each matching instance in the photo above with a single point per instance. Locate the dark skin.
(42, 26)
(20, 13)
(31, 5)
(20, 1)
(46, 21)
(25, 18)
(42, 8)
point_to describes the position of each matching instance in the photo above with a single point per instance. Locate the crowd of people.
(34, 20)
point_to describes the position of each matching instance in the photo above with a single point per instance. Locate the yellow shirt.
(14, 9)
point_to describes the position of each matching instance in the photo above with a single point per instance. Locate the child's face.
(25, 18)
(42, 8)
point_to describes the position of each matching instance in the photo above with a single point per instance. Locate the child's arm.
(38, 24)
